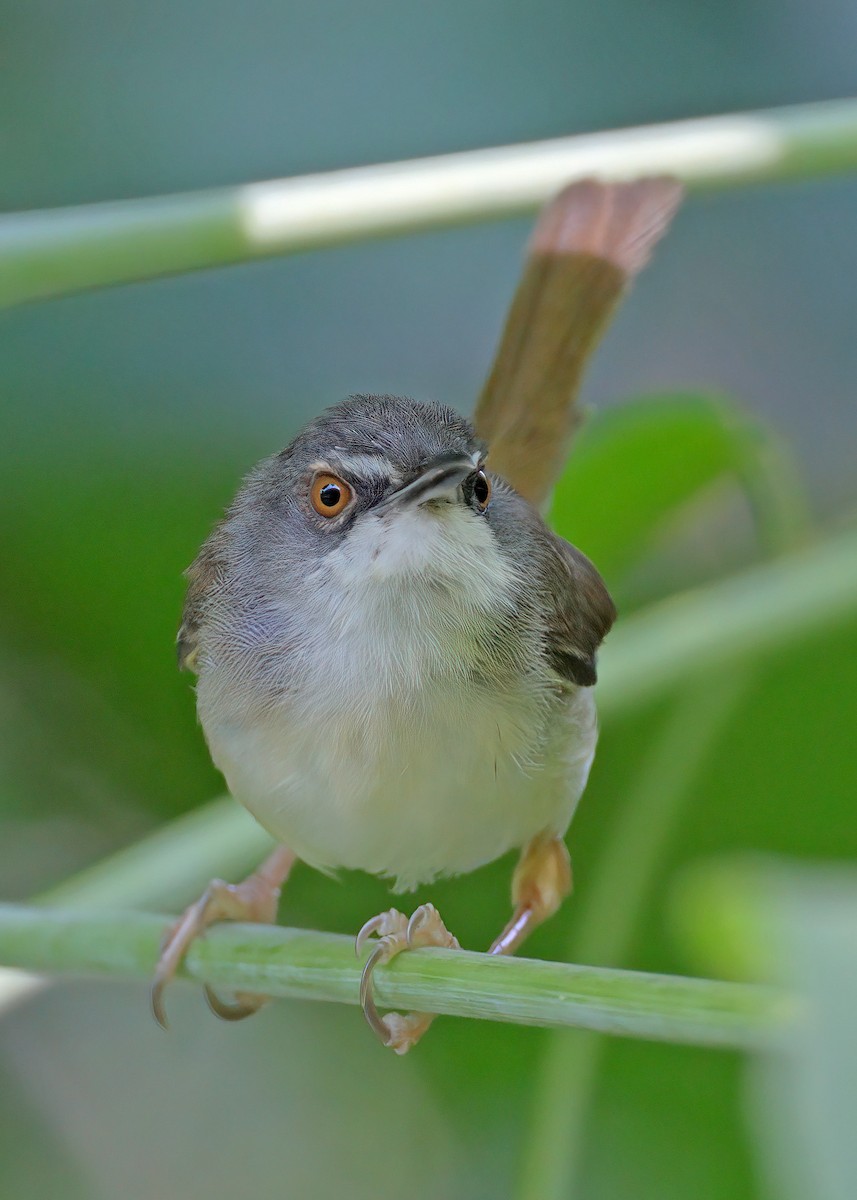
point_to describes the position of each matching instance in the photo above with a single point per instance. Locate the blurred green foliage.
(794, 924)
(112, 549)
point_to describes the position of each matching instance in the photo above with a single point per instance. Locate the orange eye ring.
(329, 495)
(482, 490)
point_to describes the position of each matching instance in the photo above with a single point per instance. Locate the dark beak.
(438, 478)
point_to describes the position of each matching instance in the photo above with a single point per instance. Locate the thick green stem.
(320, 966)
(51, 253)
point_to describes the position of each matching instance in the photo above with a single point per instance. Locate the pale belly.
(412, 789)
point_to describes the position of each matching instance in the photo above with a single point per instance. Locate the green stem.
(321, 966)
(51, 253)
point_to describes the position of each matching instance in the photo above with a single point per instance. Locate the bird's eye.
(482, 489)
(329, 495)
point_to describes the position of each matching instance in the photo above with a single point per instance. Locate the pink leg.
(255, 899)
(541, 882)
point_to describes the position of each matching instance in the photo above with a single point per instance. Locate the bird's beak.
(439, 478)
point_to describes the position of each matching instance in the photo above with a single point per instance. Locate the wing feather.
(582, 615)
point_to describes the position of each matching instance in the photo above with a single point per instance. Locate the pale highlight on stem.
(453, 188)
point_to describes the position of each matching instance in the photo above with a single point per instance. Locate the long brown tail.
(588, 244)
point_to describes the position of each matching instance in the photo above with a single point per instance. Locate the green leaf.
(634, 466)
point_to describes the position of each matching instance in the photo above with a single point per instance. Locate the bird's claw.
(174, 945)
(396, 933)
(386, 924)
(244, 1005)
(253, 900)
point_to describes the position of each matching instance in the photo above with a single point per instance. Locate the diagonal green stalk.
(322, 966)
(747, 616)
(173, 863)
(52, 253)
(609, 908)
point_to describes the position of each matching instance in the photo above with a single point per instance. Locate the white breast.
(395, 749)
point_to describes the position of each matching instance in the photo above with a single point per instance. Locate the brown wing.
(202, 576)
(582, 616)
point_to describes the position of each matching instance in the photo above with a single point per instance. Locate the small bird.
(395, 660)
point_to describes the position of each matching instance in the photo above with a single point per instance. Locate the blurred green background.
(126, 419)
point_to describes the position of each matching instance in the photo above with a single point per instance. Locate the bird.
(395, 655)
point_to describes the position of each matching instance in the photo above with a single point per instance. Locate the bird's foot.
(395, 933)
(255, 899)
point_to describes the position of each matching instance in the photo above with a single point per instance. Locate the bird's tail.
(589, 243)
